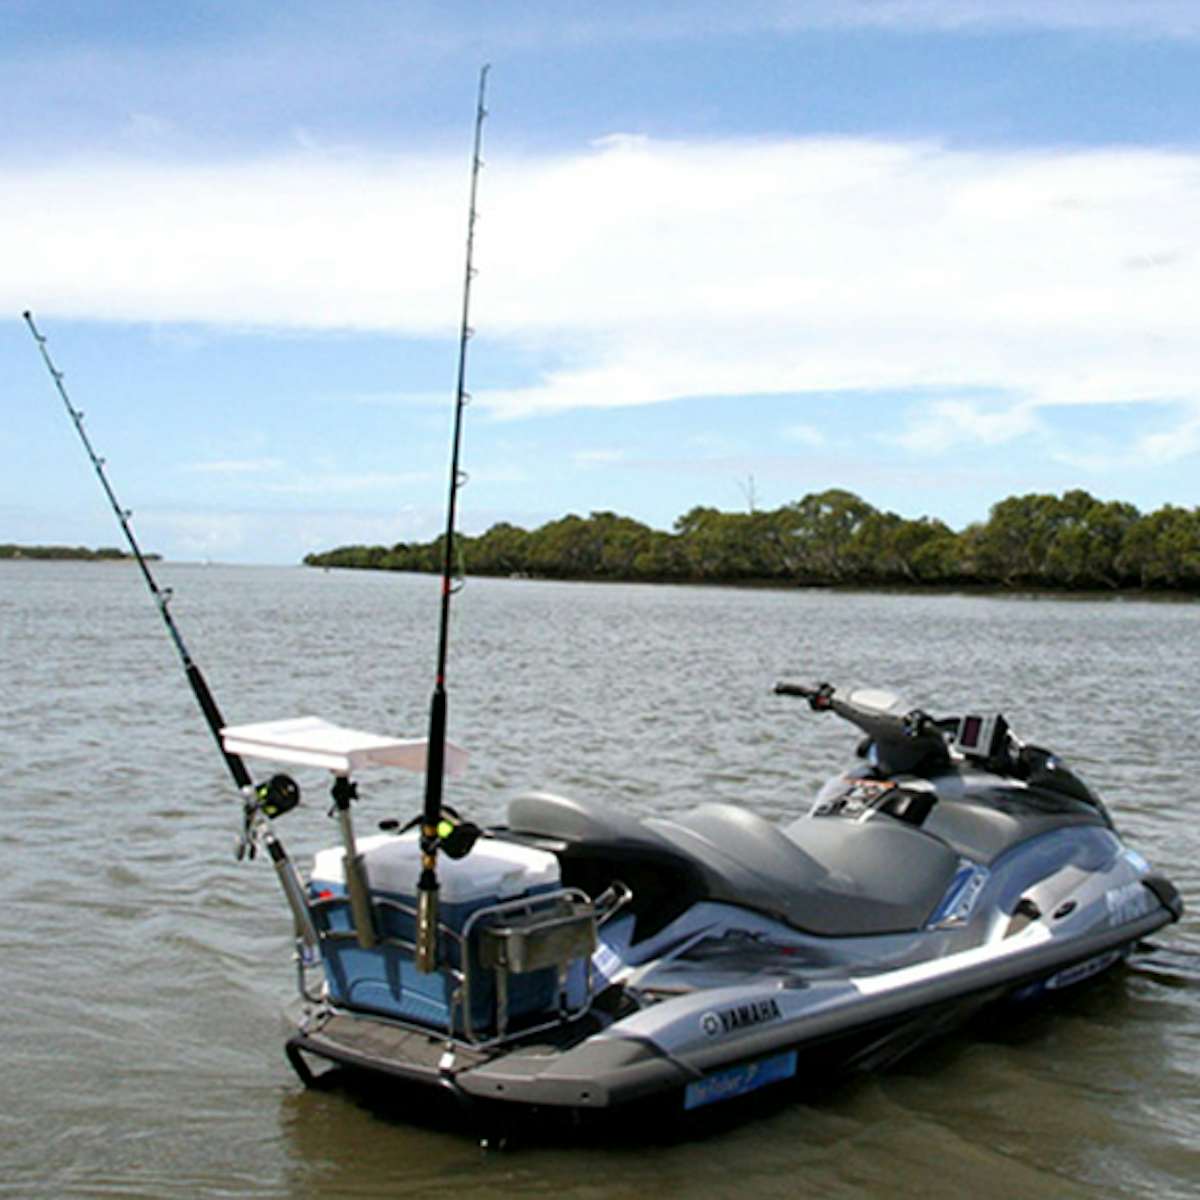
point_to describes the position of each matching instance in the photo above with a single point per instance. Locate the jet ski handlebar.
(903, 738)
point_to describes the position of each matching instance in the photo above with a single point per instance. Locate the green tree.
(1011, 547)
(819, 531)
(718, 545)
(661, 558)
(617, 542)
(503, 550)
(563, 549)
(886, 548)
(1162, 549)
(1087, 541)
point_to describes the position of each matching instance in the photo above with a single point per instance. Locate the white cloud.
(941, 425)
(236, 466)
(305, 241)
(657, 271)
(1178, 18)
(1170, 446)
(803, 266)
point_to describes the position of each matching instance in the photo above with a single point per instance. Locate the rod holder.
(293, 890)
(344, 790)
(426, 956)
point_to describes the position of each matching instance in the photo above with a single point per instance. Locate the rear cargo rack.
(549, 932)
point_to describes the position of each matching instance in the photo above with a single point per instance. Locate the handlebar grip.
(819, 696)
(783, 688)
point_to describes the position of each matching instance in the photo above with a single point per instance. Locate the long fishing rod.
(435, 767)
(162, 596)
(268, 800)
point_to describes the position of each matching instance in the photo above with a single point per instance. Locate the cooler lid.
(314, 742)
(494, 870)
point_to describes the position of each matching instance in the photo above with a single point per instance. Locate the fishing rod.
(435, 766)
(271, 799)
(162, 596)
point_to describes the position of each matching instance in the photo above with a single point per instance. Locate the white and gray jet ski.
(589, 960)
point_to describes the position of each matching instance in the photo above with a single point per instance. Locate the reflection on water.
(146, 968)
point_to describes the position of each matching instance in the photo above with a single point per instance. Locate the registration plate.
(739, 1080)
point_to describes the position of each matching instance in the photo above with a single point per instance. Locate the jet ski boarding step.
(375, 1045)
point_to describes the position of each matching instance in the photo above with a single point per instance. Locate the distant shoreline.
(11, 552)
(1068, 545)
(962, 588)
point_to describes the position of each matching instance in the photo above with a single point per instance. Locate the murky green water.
(144, 968)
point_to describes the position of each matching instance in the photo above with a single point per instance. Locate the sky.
(937, 252)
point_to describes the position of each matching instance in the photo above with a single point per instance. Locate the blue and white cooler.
(500, 968)
(384, 979)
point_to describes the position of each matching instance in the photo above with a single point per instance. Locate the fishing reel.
(279, 795)
(455, 837)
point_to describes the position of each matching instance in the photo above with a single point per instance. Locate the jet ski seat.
(828, 877)
(597, 845)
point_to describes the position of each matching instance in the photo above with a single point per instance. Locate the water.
(145, 968)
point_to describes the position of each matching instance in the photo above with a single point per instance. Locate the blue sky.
(936, 252)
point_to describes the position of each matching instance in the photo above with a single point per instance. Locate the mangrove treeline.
(103, 554)
(1070, 542)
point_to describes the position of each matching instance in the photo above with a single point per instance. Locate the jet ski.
(589, 960)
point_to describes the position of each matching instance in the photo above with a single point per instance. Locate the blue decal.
(961, 896)
(739, 1080)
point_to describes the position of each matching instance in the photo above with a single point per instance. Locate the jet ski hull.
(712, 1047)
